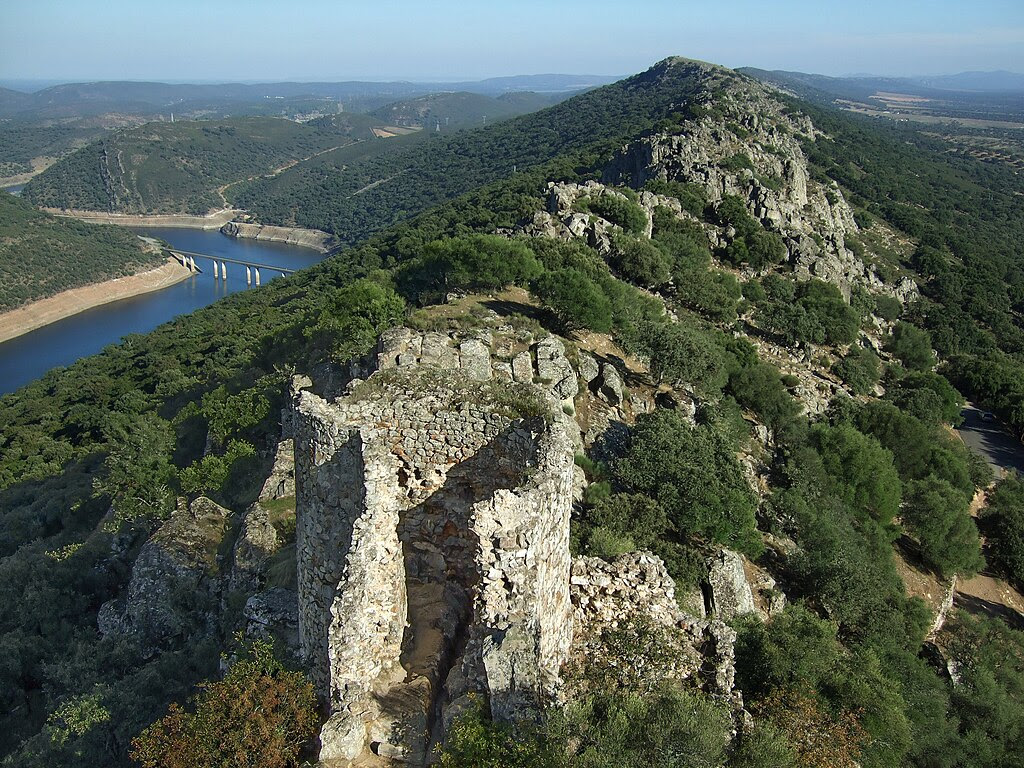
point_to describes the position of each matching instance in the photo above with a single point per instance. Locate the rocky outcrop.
(432, 543)
(175, 579)
(256, 543)
(307, 238)
(635, 595)
(736, 587)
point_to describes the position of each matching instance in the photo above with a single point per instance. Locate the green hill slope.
(180, 167)
(355, 199)
(41, 255)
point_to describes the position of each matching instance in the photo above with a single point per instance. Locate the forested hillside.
(671, 218)
(183, 167)
(41, 255)
(355, 199)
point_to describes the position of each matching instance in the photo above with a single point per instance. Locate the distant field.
(907, 111)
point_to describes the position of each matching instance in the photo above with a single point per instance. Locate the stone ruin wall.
(432, 545)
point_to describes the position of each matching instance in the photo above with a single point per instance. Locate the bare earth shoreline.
(215, 220)
(49, 310)
(222, 220)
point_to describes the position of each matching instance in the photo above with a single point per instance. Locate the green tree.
(693, 474)
(1003, 523)
(684, 355)
(354, 316)
(861, 471)
(137, 471)
(859, 370)
(935, 513)
(759, 387)
(641, 262)
(911, 346)
(576, 300)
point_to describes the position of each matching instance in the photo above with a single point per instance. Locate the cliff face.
(307, 238)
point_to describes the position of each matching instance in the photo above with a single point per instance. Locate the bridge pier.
(257, 271)
(224, 271)
(248, 275)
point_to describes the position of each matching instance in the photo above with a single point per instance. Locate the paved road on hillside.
(988, 439)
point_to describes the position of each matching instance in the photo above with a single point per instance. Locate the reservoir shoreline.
(35, 315)
(222, 220)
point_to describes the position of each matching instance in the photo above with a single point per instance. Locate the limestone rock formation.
(175, 578)
(636, 590)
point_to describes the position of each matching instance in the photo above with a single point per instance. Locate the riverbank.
(215, 220)
(45, 311)
(306, 238)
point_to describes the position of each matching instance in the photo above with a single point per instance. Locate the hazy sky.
(444, 39)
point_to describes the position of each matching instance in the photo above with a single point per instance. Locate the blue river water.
(28, 357)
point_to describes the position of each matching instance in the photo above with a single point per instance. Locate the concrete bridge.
(220, 265)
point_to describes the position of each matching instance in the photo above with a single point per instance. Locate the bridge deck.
(228, 260)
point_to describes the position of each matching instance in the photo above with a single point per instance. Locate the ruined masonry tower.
(432, 544)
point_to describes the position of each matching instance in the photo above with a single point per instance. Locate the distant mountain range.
(86, 99)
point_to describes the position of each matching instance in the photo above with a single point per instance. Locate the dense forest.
(93, 456)
(41, 255)
(181, 167)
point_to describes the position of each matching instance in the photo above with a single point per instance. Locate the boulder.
(341, 740)
(588, 368)
(731, 595)
(612, 388)
(475, 358)
(256, 542)
(553, 367)
(173, 585)
(522, 368)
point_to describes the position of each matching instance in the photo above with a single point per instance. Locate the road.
(989, 440)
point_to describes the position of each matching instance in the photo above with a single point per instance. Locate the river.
(28, 357)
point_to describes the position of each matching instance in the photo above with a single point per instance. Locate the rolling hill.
(182, 167)
(41, 255)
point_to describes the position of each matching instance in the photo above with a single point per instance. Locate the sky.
(261, 40)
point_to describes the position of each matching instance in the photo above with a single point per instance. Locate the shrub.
(911, 346)
(576, 300)
(691, 196)
(354, 316)
(475, 740)
(712, 293)
(259, 716)
(634, 516)
(926, 396)
(1003, 522)
(859, 370)
(641, 262)
(470, 262)
(935, 513)
(760, 388)
(810, 311)
(693, 474)
(671, 728)
(861, 471)
(888, 308)
(684, 355)
(618, 210)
